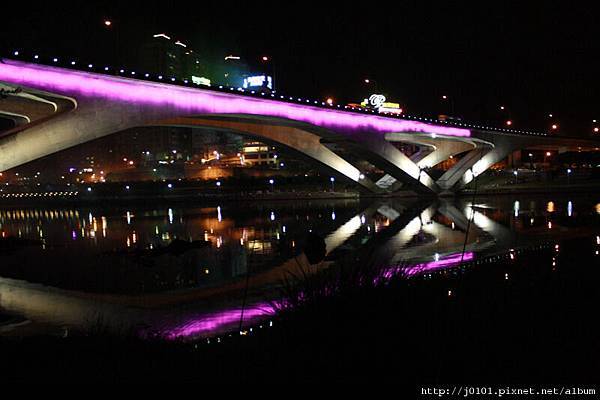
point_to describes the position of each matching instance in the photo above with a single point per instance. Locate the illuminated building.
(259, 154)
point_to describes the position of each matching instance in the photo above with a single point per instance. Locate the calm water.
(93, 265)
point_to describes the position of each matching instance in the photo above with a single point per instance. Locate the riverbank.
(519, 320)
(539, 188)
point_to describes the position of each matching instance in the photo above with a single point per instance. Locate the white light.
(162, 35)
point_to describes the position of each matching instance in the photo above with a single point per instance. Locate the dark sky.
(533, 59)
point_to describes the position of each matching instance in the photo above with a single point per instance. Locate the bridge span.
(55, 108)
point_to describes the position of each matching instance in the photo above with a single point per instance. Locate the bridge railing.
(133, 74)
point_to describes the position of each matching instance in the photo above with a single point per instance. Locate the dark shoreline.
(287, 196)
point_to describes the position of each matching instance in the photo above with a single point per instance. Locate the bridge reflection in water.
(201, 296)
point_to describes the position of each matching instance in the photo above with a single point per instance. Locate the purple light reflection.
(440, 264)
(76, 83)
(219, 322)
(227, 320)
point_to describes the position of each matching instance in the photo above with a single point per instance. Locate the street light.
(569, 176)
(370, 81)
(332, 180)
(107, 22)
(509, 122)
(329, 101)
(516, 174)
(270, 70)
(554, 127)
(451, 100)
(272, 182)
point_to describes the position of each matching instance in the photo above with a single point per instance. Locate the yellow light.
(329, 101)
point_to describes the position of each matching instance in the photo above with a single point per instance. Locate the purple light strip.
(219, 322)
(440, 264)
(191, 100)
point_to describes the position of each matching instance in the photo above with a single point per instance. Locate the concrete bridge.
(55, 108)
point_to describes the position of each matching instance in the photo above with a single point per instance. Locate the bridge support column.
(384, 155)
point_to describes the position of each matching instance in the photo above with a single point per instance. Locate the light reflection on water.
(259, 240)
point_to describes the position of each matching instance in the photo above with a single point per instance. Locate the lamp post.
(447, 99)
(373, 82)
(268, 60)
(569, 176)
(505, 115)
(516, 174)
(109, 26)
(272, 182)
(332, 180)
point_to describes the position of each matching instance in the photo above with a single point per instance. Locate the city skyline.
(517, 69)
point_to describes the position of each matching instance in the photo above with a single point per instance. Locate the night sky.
(535, 60)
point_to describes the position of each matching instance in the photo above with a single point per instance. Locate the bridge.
(55, 107)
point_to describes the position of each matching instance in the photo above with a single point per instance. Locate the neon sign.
(258, 81)
(200, 80)
(377, 100)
